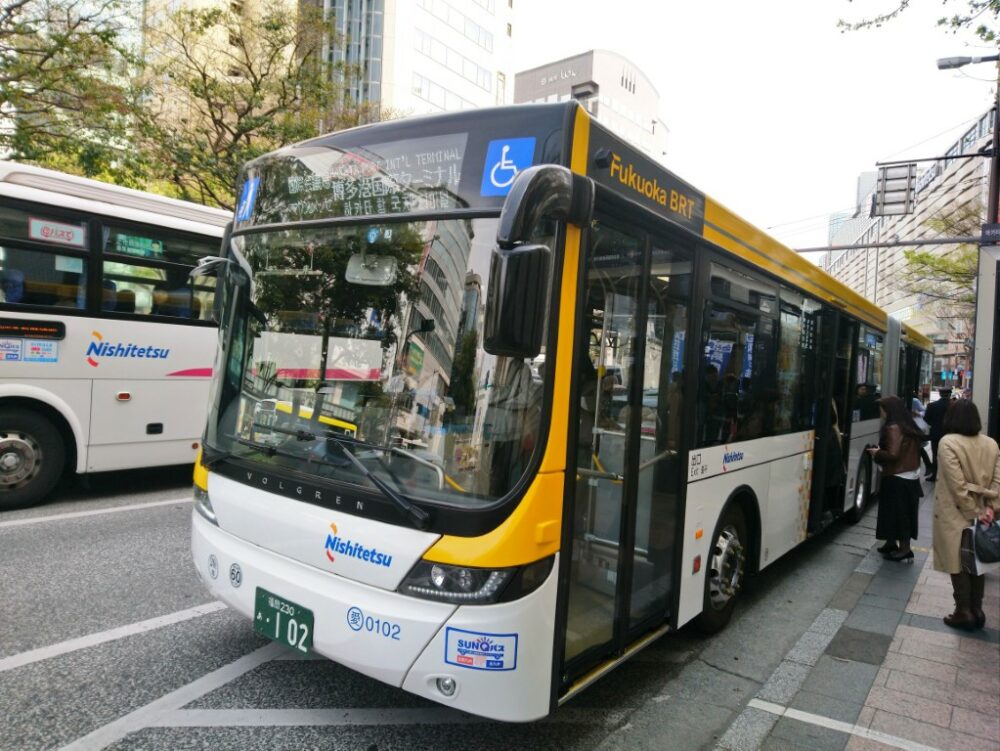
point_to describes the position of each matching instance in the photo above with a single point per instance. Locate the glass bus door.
(628, 448)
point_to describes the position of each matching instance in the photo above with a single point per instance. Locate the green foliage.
(946, 279)
(224, 87)
(215, 87)
(65, 85)
(980, 15)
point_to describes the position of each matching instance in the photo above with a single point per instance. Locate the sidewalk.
(879, 670)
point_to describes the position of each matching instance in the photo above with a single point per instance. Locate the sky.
(771, 109)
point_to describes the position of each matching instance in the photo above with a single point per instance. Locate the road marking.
(94, 512)
(150, 715)
(83, 642)
(843, 727)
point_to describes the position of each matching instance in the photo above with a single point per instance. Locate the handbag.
(986, 541)
(971, 555)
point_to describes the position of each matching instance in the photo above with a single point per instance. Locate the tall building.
(613, 90)
(423, 56)
(948, 186)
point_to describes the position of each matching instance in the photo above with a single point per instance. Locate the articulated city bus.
(585, 402)
(106, 347)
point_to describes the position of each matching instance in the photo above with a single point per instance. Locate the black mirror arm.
(545, 190)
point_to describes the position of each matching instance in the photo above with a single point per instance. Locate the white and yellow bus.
(585, 402)
(106, 347)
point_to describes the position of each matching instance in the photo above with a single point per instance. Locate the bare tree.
(981, 15)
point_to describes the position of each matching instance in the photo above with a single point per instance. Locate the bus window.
(30, 277)
(738, 389)
(796, 362)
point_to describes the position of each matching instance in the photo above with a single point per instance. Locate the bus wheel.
(862, 490)
(32, 457)
(725, 570)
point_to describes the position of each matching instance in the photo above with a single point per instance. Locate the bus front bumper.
(498, 657)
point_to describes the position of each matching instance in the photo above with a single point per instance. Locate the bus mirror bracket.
(544, 191)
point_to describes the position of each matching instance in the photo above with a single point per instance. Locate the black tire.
(725, 570)
(32, 457)
(862, 492)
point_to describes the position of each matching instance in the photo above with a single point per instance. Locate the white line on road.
(843, 727)
(149, 715)
(91, 640)
(94, 512)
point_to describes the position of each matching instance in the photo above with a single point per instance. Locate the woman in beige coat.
(968, 487)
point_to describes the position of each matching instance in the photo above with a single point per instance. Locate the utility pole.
(986, 359)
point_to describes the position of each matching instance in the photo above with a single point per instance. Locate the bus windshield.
(367, 339)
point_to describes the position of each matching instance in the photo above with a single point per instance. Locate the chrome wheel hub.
(20, 459)
(726, 565)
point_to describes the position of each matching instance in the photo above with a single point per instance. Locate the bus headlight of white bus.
(474, 586)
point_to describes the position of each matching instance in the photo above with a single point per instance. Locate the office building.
(613, 90)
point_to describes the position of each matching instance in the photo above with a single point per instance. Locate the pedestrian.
(899, 455)
(934, 417)
(969, 463)
(917, 409)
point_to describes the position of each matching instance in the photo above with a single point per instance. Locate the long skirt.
(898, 502)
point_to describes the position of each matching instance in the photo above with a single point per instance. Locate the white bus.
(106, 345)
(579, 402)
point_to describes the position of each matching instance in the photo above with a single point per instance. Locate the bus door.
(626, 502)
(836, 335)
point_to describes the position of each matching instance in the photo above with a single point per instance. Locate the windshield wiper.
(415, 514)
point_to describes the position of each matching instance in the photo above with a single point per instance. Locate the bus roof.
(15, 176)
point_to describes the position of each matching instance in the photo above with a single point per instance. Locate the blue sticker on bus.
(40, 350)
(480, 651)
(248, 196)
(505, 158)
(10, 350)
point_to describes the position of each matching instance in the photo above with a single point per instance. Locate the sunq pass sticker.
(477, 651)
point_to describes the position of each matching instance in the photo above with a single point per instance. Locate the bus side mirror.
(516, 300)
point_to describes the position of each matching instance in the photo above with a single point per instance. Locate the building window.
(509, 29)
(458, 21)
(437, 95)
(501, 88)
(454, 61)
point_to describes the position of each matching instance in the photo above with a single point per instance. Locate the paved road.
(108, 640)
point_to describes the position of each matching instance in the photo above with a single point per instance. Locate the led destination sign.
(388, 178)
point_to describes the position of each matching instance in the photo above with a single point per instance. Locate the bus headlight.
(203, 505)
(473, 586)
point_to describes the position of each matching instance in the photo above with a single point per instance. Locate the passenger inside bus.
(11, 285)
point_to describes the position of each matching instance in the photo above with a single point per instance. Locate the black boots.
(963, 617)
(976, 601)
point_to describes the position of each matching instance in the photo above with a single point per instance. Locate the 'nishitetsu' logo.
(101, 348)
(337, 544)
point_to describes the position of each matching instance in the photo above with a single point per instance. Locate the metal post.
(986, 368)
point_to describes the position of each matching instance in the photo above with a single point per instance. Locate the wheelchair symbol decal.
(504, 167)
(505, 159)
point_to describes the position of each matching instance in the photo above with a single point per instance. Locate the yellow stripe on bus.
(741, 238)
